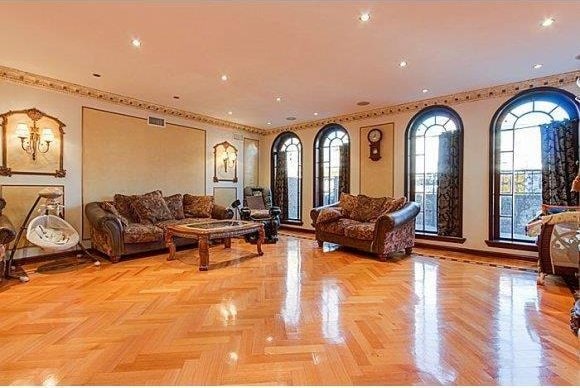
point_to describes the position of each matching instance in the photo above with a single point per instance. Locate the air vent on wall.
(156, 121)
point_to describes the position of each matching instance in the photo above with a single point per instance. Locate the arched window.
(434, 170)
(534, 142)
(331, 164)
(286, 177)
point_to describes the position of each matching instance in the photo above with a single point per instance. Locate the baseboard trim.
(419, 244)
(296, 228)
(46, 257)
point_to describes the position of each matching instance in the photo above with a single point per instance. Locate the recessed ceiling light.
(97, 75)
(136, 42)
(425, 90)
(230, 113)
(364, 17)
(224, 77)
(278, 99)
(362, 103)
(269, 123)
(315, 113)
(537, 66)
(176, 97)
(403, 64)
(548, 22)
(290, 118)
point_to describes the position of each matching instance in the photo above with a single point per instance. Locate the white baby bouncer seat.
(52, 233)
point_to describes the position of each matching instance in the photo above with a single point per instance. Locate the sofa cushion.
(260, 214)
(151, 209)
(367, 208)
(255, 202)
(140, 233)
(329, 215)
(184, 221)
(348, 203)
(361, 231)
(337, 227)
(109, 206)
(197, 206)
(175, 204)
(123, 204)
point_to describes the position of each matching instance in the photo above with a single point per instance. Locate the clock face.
(375, 135)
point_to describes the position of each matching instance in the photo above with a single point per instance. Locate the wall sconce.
(229, 160)
(225, 162)
(33, 140)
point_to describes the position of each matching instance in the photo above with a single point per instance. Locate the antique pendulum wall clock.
(375, 135)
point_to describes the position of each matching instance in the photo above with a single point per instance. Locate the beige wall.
(476, 118)
(68, 109)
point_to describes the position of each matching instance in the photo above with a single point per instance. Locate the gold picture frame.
(49, 163)
(225, 162)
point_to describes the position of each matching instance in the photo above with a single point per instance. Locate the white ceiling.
(316, 55)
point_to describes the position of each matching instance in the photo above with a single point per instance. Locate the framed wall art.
(32, 143)
(225, 162)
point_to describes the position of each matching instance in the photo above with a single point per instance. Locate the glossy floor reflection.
(297, 315)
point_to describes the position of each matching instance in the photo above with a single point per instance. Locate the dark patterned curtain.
(281, 185)
(448, 188)
(344, 171)
(559, 157)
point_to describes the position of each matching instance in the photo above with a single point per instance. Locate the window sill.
(506, 244)
(434, 237)
(291, 222)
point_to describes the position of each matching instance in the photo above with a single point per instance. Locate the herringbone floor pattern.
(297, 315)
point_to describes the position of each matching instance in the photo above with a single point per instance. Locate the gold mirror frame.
(34, 115)
(226, 145)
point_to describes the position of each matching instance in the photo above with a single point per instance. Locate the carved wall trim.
(36, 80)
(506, 90)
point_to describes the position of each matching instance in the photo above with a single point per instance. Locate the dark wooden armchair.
(258, 207)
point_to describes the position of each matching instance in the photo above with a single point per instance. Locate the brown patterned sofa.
(381, 226)
(137, 223)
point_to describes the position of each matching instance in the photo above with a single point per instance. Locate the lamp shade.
(47, 134)
(22, 130)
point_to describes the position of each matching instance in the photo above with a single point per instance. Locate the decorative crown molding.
(556, 80)
(40, 81)
(35, 80)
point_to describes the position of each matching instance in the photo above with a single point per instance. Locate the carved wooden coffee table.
(204, 231)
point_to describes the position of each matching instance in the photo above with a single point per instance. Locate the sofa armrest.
(221, 213)
(98, 217)
(316, 211)
(275, 211)
(391, 221)
(7, 231)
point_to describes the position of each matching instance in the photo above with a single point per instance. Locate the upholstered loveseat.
(381, 226)
(137, 223)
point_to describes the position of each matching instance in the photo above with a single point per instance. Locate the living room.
(295, 193)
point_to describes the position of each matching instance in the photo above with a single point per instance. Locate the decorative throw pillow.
(109, 206)
(392, 205)
(175, 204)
(198, 206)
(367, 208)
(348, 203)
(151, 209)
(123, 204)
(329, 215)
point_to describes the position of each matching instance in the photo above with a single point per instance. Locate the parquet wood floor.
(297, 315)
